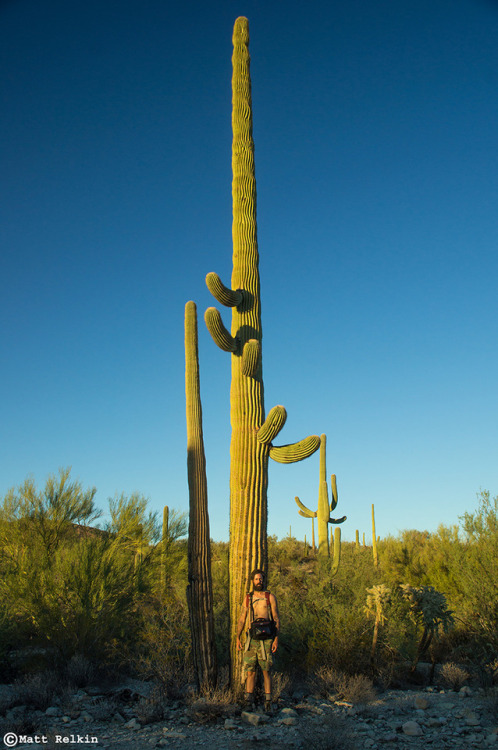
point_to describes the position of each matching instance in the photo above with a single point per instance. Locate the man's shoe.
(268, 707)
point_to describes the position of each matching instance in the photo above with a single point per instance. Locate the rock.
(465, 691)
(251, 718)
(52, 711)
(66, 719)
(412, 729)
(133, 724)
(164, 741)
(472, 719)
(289, 721)
(230, 724)
(288, 712)
(421, 702)
(434, 721)
(491, 739)
(86, 716)
(390, 737)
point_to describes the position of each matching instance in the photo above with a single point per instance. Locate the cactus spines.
(220, 335)
(337, 551)
(322, 514)
(222, 293)
(374, 540)
(249, 453)
(199, 589)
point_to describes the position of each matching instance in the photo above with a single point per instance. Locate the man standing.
(259, 604)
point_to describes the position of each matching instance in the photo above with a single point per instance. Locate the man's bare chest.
(260, 607)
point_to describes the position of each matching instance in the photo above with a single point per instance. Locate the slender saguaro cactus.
(322, 514)
(337, 550)
(374, 540)
(357, 542)
(164, 543)
(199, 589)
(252, 434)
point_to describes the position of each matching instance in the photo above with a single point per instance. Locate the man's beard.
(259, 586)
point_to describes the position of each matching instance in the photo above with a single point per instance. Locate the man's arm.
(276, 619)
(240, 625)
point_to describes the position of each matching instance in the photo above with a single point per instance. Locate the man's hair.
(255, 573)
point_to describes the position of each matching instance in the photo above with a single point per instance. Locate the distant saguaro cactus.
(199, 589)
(374, 540)
(252, 434)
(322, 514)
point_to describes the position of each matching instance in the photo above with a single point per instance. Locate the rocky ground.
(116, 719)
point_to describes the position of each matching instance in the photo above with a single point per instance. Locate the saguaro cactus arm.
(250, 357)
(304, 511)
(222, 293)
(289, 454)
(272, 425)
(335, 496)
(334, 501)
(220, 335)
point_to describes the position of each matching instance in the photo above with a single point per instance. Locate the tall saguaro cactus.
(199, 589)
(322, 513)
(252, 434)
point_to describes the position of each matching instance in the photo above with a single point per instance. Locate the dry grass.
(213, 706)
(151, 709)
(38, 690)
(80, 671)
(454, 676)
(356, 688)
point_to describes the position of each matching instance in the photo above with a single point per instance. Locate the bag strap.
(249, 602)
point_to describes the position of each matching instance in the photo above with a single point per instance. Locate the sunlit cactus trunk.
(199, 589)
(252, 435)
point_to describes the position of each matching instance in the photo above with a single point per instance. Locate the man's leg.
(267, 683)
(251, 679)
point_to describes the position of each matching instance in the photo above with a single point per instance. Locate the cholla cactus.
(322, 513)
(378, 598)
(429, 609)
(252, 435)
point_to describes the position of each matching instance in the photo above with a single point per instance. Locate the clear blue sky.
(376, 137)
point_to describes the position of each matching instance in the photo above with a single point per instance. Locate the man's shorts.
(258, 652)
